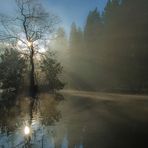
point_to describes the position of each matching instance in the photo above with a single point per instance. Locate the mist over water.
(82, 119)
(86, 88)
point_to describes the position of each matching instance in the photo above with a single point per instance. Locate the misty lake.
(73, 73)
(75, 120)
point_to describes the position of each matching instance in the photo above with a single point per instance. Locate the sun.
(29, 44)
(39, 46)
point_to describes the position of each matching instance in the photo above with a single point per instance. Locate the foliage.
(52, 70)
(12, 66)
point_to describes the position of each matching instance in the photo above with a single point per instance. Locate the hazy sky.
(68, 10)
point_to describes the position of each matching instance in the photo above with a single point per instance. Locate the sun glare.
(29, 44)
(40, 46)
(26, 130)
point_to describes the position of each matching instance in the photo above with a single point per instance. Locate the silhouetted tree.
(76, 38)
(31, 27)
(124, 43)
(93, 49)
(92, 31)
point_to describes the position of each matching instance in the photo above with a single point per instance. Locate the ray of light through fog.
(73, 73)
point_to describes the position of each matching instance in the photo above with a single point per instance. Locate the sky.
(68, 10)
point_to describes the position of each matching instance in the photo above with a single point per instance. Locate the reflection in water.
(84, 121)
(30, 121)
(33, 122)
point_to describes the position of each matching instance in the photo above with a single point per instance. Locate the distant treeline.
(111, 51)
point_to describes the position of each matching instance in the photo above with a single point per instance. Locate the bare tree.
(30, 28)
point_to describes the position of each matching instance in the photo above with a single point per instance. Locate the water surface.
(75, 120)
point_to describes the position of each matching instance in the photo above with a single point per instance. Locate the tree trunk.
(32, 74)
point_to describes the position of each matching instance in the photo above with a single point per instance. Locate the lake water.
(75, 120)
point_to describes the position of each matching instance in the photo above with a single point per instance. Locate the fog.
(83, 88)
(109, 53)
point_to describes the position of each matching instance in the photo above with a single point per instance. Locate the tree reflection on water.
(31, 113)
(87, 120)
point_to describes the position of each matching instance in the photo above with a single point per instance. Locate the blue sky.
(68, 10)
(74, 10)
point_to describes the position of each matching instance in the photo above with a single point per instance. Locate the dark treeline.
(111, 51)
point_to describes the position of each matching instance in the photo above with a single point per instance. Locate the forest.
(73, 85)
(110, 53)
